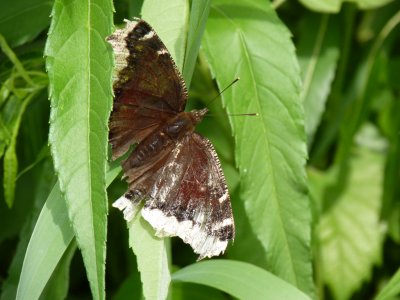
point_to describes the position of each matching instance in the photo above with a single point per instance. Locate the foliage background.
(323, 78)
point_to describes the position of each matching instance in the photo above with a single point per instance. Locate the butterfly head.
(198, 114)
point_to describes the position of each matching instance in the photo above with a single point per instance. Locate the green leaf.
(14, 59)
(361, 92)
(170, 21)
(151, 253)
(58, 284)
(192, 291)
(198, 18)
(391, 289)
(130, 288)
(239, 279)
(52, 228)
(350, 232)
(79, 64)
(45, 181)
(318, 53)
(16, 22)
(249, 41)
(10, 156)
(333, 6)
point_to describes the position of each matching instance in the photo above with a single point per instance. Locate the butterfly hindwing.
(190, 199)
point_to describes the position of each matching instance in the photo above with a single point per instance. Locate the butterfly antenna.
(219, 94)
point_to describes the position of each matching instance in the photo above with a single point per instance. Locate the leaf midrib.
(88, 74)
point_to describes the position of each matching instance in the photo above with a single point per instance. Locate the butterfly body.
(173, 130)
(173, 170)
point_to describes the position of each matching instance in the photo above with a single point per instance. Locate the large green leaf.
(239, 279)
(333, 6)
(249, 41)
(16, 22)
(350, 232)
(79, 64)
(318, 53)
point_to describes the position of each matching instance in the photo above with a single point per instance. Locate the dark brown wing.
(147, 86)
(189, 198)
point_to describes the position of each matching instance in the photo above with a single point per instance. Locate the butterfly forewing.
(148, 88)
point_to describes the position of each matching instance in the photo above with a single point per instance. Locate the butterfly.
(174, 175)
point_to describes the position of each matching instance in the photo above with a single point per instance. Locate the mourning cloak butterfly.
(173, 170)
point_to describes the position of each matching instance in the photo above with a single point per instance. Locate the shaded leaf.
(249, 41)
(10, 156)
(130, 288)
(79, 67)
(333, 6)
(350, 232)
(44, 183)
(239, 279)
(318, 52)
(183, 291)
(16, 22)
(391, 289)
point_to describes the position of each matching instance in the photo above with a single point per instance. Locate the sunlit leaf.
(52, 228)
(58, 285)
(152, 260)
(239, 279)
(249, 41)
(170, 22)
(198, 17)
(79, 67)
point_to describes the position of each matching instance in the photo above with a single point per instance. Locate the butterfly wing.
(147, 86)
(187, 196)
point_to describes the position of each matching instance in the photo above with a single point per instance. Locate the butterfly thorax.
(174, 129)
